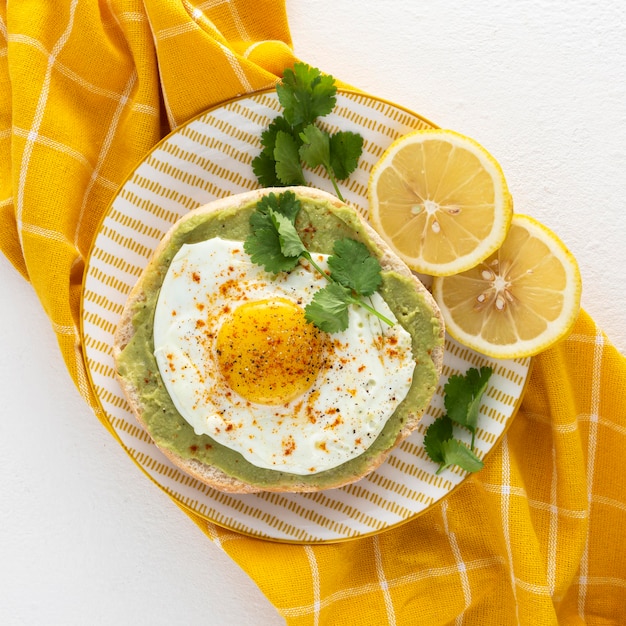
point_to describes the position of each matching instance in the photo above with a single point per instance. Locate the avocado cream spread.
(319, 225)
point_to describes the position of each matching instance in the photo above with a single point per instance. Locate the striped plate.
(209, 158)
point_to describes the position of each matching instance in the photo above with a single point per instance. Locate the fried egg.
(243, 366)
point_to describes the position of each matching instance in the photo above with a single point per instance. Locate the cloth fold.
(86, 89)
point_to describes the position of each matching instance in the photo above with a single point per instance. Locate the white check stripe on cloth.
(84, 386)
(214, 535)
(53, 145)
(535, 504)
(232, 7)
(456, 551)
(45, 233)
(127, 16)
(505, 512)
(175, 31)
(610, 581)
(553, 527)
(609, 502)
(5, 33)
(600, 421)
(382, 580)
(592, 445)
(315, 578)
(237, 69)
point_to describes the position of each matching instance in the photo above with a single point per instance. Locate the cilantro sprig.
(462, 398)
(275, 244)
(294, 139)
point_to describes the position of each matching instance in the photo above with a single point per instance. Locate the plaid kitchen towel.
(86, 89)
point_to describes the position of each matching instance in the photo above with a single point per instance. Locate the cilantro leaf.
(315, 148)
(305, 93)
(328, 309)
(345, 150)
(263, 246)
(338, 154)
(436, 434)
(290, 243)
(285, 203)
(478, 379)
(443, 448)
(288, 167)
(264, 164)
(268, 136)
(457, 453)
(264, 168)
(273, 228)
(353, 266)
(463, 395)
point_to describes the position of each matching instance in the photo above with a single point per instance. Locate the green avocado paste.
(319, 224)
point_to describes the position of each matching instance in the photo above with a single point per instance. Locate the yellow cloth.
(537, 537)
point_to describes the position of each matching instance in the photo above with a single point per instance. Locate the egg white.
(351, 398)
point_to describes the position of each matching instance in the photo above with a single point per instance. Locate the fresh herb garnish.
(264, 243)
(354, 267)
(275, 244)
(328, 310)
(463, 395)
(294, 139)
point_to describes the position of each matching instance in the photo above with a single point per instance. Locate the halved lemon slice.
(440, 200)
(519, 300)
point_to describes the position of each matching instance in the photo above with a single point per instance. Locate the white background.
(84, 537)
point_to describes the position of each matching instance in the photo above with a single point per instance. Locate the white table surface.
(84, 537)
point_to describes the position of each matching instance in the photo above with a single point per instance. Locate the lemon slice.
(440, 200)
(519, 300)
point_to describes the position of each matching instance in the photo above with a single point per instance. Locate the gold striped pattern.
(209, 158)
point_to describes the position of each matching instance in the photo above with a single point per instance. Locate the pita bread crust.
(214, 476)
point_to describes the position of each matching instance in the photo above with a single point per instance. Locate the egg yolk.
(267, 351)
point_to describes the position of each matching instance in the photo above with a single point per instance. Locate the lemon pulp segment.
(519, 300)
(440, 200)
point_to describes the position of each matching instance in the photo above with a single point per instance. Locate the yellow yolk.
(267, 351)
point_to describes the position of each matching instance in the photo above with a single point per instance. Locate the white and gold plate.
(208, 158)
